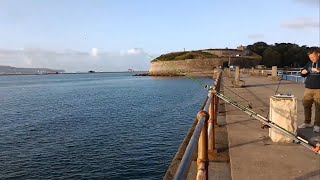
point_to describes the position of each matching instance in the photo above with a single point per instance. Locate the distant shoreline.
(73, 73)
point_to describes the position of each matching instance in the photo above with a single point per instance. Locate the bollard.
(237, 82)
(274, 74)
(237, 75)
(274, 71)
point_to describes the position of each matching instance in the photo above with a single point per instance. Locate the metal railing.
(292, 76)
(203, 136)
(286, 75)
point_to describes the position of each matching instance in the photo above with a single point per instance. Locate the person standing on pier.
(312, 90)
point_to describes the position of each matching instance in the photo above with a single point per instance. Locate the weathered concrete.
(274, 74)
(252, 154)
(237, 74)
(237, 82)
(274, 71)
(163, 68)
(283, 112)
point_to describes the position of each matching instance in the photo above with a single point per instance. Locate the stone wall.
(257, 72)
(168, 68)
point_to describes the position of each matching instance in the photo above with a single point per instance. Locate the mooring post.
(274, 73)
(237, 75)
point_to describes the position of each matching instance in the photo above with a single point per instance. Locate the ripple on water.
(93, 126)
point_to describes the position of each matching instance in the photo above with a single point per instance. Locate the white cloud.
(73, 61)
(94, 52)
(135, 51)
(301, 23)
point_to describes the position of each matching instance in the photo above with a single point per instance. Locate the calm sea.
(93, 126)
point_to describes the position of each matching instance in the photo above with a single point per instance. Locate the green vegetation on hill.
(175, 56)
(279, 54)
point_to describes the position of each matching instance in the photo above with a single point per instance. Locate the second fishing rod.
(200, 82)
(250, 112)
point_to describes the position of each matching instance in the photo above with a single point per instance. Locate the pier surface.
(252, 155)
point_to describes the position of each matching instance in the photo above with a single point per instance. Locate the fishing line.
(207, 87)
(251, 113)
(249, 103)
(275, 93)
(201, 83)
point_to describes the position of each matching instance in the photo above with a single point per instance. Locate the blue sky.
(104, 27)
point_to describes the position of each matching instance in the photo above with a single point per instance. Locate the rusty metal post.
(211, 124)
(202, 161)
(216, 101)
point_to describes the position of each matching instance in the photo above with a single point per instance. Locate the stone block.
(283, 112)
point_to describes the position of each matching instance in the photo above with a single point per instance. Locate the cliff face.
(196, 66)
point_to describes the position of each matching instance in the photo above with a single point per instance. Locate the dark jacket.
(313, 79)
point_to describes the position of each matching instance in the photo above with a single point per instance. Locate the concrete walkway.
(252, 154)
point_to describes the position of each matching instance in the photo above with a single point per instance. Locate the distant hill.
(15, 70)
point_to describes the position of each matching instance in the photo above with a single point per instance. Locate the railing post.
(202, 161)
(216, 100)
(211, 124)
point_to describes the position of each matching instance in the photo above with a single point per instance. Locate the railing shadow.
(314, 175)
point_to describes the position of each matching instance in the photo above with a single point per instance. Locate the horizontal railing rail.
(203, 137)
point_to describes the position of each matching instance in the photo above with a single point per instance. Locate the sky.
(115, 35)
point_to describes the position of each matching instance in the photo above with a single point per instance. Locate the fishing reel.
(249, 106)
(265, 126)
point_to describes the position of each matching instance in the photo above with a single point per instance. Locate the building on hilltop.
(242, 48)
(240, 51)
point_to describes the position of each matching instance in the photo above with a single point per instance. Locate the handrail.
(185, 163)
(203, 135)
(213, 113)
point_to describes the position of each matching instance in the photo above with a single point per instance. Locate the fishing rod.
(251, 113)
(206, 86)
(275, 93)
(271, 124)
(209, 76)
